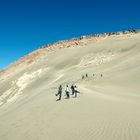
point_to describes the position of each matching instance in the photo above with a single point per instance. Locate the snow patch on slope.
(96, 59)
(18, 86)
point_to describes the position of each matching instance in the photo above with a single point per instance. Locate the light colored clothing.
(75, 91)
(67, 89)
(67, 92)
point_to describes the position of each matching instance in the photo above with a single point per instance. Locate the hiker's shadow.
(58, 100)
(75, 97)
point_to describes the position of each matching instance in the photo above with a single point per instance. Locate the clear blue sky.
(27, 24)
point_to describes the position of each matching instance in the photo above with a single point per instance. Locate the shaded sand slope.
(106, 109)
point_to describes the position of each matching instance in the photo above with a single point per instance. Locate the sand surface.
(107, 108)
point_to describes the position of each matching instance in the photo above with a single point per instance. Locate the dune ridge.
(31, 57)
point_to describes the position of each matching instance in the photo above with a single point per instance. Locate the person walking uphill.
(67, 91)
(59, 92)
(75, 91)
(72, 89)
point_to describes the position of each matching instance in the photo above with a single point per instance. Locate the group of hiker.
(73, 90)
(86, 76)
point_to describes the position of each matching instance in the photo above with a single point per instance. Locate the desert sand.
(107, 107)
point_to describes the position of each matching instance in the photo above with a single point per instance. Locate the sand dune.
(107, 108)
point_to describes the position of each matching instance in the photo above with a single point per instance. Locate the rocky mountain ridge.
(31, 57)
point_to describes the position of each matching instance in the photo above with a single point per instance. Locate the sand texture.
(107, 107)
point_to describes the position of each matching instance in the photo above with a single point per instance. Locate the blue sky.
(28, 24)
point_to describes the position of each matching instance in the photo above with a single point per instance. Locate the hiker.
(59, 92)
(67, 91)
(72, 89)
(76, 91)
(86, 75)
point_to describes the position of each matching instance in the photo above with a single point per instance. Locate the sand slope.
(106, 109)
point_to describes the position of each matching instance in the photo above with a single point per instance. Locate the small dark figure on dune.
(72, 89)
(83, 77)
(59, 92)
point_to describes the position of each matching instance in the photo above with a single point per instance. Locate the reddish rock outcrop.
(30, 58)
